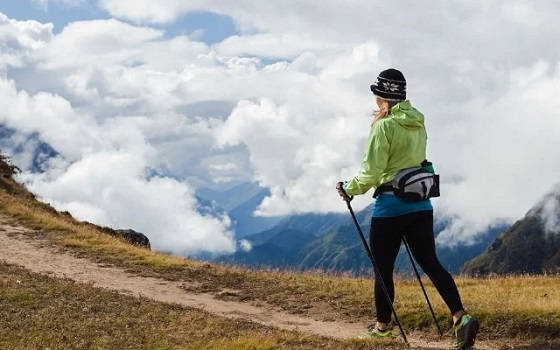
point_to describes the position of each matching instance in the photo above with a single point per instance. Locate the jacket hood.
(407, 116)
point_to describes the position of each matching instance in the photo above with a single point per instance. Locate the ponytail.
(384, 110)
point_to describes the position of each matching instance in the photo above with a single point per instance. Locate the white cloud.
(551, 215)
(484, 75)
(102, 42)
(522, 12)
(284, 46)
(245, 245)
(163, 11)
(19, 39)
(512, 153)
(296, 155)
(104, 178)
(301, 144)
(45, 3)
(52, 117)
(548, 210)
(109, 160)
(111, 188)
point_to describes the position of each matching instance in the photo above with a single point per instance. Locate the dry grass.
(39, 312)
(521, 306)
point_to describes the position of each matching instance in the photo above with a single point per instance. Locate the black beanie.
(390, 85)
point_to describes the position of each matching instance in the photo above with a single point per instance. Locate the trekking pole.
(376, 271)
(422, 285)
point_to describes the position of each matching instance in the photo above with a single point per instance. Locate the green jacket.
(395, 142)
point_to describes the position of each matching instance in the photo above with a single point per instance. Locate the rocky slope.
(531, 245)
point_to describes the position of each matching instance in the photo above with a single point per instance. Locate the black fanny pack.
(413, 184)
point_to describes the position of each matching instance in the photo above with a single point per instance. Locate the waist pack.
(413, 184)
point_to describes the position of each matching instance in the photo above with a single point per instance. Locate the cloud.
(100, 41)
(19, 39)
(548, 209)
(550, 215)
(287, 98)
(521, 12)
(73, 136)
(511, 157)
(110, 166)
(102, 176)
(163, 11)
(301, 144)
(45, 3)
(245, 245)
(111, 188)
(267, 45)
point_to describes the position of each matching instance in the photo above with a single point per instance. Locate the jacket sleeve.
(374, 163)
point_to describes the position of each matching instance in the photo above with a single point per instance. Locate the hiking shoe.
(373, 332)
(465, 332)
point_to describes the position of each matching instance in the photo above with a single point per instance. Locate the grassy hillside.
(524, 307)
(39, 312)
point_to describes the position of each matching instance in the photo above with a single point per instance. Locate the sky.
(144, 102)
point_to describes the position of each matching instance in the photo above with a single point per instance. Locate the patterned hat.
(390, 85)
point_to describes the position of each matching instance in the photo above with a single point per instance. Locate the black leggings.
(385, 240)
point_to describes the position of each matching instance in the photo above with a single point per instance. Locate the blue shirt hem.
(387, 205)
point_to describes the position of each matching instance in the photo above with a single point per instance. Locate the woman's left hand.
(341, 192)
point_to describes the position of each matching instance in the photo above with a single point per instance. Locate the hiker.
(397, 141)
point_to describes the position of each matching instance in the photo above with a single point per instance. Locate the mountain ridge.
(531, 245)
(337, 248)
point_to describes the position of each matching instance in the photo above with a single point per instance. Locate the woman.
(397, 141)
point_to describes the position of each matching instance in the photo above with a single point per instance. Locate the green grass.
(513, 306)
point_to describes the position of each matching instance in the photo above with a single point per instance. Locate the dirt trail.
(18, 249)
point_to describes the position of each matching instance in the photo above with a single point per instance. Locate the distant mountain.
(240, 202)
(277, 251)
(245, 222)
(336, 246)
(531, 245)
(341, 250)
(453, 258)
(293, 242)
(206, 207)
(316, 225)
(27, 150)
(232, 197)
(321, 224)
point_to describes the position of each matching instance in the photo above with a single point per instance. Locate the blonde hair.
(384, 109)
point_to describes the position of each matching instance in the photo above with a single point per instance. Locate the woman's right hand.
(342, 193)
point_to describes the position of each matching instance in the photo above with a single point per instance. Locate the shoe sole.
(472, 330)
